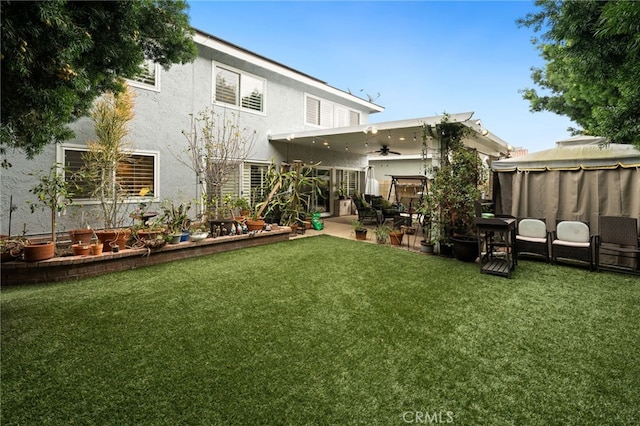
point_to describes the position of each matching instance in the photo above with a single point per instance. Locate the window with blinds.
(319, 112)
(257, 182)
(137, 172)
(239, 89)
(148, 77)
(349, 180)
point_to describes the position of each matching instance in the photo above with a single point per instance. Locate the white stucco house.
(295, 116)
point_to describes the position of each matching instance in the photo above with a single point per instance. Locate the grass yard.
(323, 331)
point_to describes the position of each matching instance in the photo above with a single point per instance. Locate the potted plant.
(425, 213)
(151, 234)
(359, 229)
(81, 249)
(455, 188)
(177, 220)
(106, 154)
(11, 248)
(52, 192)
(382, 233)
(198, 232)
(395, 236)
(290, 192)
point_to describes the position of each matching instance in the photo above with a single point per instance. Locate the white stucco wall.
(160, 116)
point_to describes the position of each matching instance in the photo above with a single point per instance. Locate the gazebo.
(580, 179)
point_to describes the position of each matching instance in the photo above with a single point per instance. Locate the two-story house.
(294, 116)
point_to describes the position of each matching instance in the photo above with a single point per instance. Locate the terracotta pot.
(96, 248)
(80, 249)
(149, 235)
(34, 252)
(81, 236)
(395, 238)
(255, 225)
(294, 228)
(117, 236)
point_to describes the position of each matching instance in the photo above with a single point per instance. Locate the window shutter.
(147, 74)
(227, 84)
(342, 117)
(252, 93)
(313, 111)
(354, 118)
(326, 114)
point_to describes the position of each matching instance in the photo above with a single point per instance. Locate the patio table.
(497, 234)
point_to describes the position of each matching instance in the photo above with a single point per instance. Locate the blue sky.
(423, 57)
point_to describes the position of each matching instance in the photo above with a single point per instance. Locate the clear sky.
(423, 57)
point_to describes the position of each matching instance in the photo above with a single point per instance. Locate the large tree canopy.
(592, 72)
(58, 56)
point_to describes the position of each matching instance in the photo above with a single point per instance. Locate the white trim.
(239, 107)
(335, 109)
(149, 153)
(226, 48)
(145, 86)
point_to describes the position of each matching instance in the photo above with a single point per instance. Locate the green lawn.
(323, 331)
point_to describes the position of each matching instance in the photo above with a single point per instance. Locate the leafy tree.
(592, 72)
(58, 56)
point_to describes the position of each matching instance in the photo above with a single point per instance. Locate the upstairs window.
(241, 90)
(319, 112)
(149, 76)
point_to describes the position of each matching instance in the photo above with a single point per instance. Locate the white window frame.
(242, 75)
(330, 113)
(142, 85)
(61, 157)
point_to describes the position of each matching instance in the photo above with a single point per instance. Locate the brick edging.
(74, 267)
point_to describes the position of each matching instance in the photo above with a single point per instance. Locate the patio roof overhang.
(403, 136)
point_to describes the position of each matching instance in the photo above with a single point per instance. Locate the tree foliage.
(58, 56)
(592, 71)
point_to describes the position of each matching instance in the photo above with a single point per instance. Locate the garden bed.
(72, 267)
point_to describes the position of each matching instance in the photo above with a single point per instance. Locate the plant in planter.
(149, 235)
(359, 229)
(176, 218)
(52, 192)
(382, 233)
(105, 156)
(198, 232)
(11, 248)
(455, 186)
(291, 190)
(395, 236)
(425, 212)
(241, 207)
(341, 192)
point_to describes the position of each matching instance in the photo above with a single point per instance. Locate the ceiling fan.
(384, 151)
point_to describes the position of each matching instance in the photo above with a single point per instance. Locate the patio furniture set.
(502, 239)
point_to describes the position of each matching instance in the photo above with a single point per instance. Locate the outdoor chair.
(618, 236)
(572, 240)
(366, 210)
(532, 238)
(389, 210)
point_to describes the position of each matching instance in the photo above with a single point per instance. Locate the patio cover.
(404, 136)
(580, 179)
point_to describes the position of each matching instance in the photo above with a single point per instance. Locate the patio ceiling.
(403, 136)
